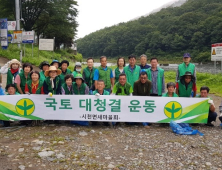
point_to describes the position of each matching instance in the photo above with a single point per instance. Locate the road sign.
(17, 37)
(46, 44)
(11, 25)
(216, 52)
(10, 39)
(4, 32)
(28, 37)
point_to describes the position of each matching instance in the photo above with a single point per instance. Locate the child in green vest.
(170, 90)
(55, 63)
(12, 69)
(77, 69)
(186, 66)
(104, 73)
(43, 67)
(23, 77)
(132, 71)
(67, 87)
(120, 65)
(52, 83)
(185, 85)
(88, 74)
(65, 71)
(35, 85)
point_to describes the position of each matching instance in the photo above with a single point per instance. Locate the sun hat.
(44, 63)
(78, 76)
(52, 68)
(14, 61)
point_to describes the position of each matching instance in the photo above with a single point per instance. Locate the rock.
(110, 166)
(107, 157)
(38, 142)
(36, 148)
(26, 144)
(140, 154)
(83, 133)
(21, 167)
(54, 142)
(61, 142)
(60, 155)
(45, 154)
(30, 165)
(92, 131)
(21, 149)
(208, 164)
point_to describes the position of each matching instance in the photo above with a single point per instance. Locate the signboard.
(17, 37)
(104, 108)
(11, 25)
(28, 37)
(4, 32)
(216, 52)
(46, 44)
(10, 39)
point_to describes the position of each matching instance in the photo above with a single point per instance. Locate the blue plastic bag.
(1, 91)
(183, 129)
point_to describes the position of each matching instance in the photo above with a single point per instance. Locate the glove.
(97, 94)
(210, 101)
(8, 63)
(50, 94)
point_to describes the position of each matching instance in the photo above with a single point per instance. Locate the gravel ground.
(65, 146)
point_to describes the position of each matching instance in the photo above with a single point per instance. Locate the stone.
(36, 148)
(208, 164)
(83, 133)
(45, 154)
(21, 149)
(110, 166)
(21, 167)
(61, 142)
(107, 157)
(60, 155)
(38, 142)
(140, 154)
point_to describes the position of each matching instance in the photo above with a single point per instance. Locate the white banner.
(11, 25)
(104, 108)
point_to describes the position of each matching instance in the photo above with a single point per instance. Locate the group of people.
(137, 80)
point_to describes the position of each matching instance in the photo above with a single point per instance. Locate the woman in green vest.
(65, 71)
(120, 65)
(52, 83)
(35, 85)
(43, 66)
(88, 74)
(23, 77)
(67, 87)
(186, 85)
(170, 90)
(77, 69)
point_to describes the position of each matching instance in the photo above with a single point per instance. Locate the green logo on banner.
(25, 107)
(173, 110)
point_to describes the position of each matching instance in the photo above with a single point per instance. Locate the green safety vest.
(62, 75)
(89, 74)
(10, 77)
(79, 91)
(38, 91)
(183, 69)
(126, 88)
(104, 92)
(67, 92)
(117, 73)
(166, 95)
(48, 82)
(42, 76)
(132, 77)
(24, 80)
(159, 79)
(183, 92)
(105, 76)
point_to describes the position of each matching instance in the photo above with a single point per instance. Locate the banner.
(104, 108)
(4, 32)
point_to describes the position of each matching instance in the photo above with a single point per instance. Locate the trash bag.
(1, 91)
(183, 129)
(81, 123)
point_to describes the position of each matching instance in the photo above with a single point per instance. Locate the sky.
(97, 14)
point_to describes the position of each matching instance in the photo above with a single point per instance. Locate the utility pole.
(17, 14)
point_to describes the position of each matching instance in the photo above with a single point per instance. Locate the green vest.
(117, 73)
(183, 69)
(126, 88)
(105, 76)
(79, 91)
(67, 92)
(132, 77)
(89, 74)
(159, 79)
(24, 80)
(166, 95)
(49, 85)
(104, 92)
(38, 91)
(62, 75)
(42, 76)
(10, 77)
(183, 92)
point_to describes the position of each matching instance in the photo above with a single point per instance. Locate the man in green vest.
(132, 71)
(186, 66)
(43, 67)
(156, 76)
(186, 85)
(88, 74)
(100, 89)
(122, 87)
(104, 73)
(64, 68)
(170, 90)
